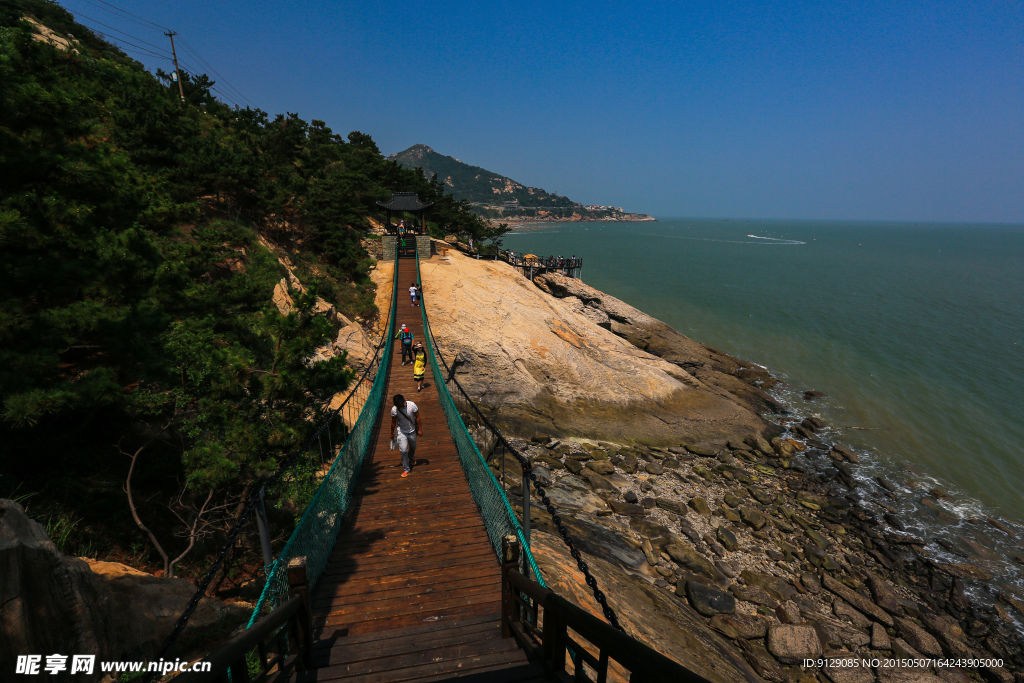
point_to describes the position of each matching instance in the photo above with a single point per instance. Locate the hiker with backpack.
(405, 334)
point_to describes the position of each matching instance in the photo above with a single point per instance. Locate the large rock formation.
(549, 364)
(53, 603)
(748, 381)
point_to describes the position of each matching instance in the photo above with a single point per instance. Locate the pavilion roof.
(404, 201)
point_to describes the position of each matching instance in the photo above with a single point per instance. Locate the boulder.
(630, 509)
(857, 600)
(596, 481)
(884, 594)
(740, 625)
(843, 610)
(601, 466)
(705, 599)
(847, 674)
(727, 538)
(753, 594)
(654, 468)
(837, 634)
(53, 603)
(685, 555)
(354, 341)
(918, 638)
(879, 638)
(777, 587)
(670, 505)
(585, 501)
(753, 518)
(792, 643)
(629, 464)
(700, 506)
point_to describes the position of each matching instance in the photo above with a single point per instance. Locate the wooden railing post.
(553, 635)
(299, 585)
(509, 562)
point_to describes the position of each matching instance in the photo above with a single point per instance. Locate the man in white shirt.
(405, 425)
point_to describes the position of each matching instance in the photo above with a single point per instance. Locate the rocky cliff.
(560, 358)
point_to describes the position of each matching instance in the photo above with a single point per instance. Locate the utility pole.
(177, 76)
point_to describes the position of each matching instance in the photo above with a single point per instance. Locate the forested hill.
(474, 184)
(135, 312)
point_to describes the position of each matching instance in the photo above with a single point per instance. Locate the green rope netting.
(499, 518)
(317, 530)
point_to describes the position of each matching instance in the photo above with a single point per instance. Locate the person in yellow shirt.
(419, 365)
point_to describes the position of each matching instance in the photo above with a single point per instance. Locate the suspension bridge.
(421, 578)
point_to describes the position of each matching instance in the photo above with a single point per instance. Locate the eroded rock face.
(540, 364)
(659, 619)
(744, 380)
(53, 603)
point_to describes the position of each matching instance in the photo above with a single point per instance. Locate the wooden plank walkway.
(413, 588)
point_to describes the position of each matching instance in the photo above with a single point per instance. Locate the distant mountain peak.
(476, 184)
(416, 151)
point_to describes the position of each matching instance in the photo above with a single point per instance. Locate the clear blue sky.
(828, 110)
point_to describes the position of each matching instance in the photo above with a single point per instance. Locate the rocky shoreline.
(748, 556)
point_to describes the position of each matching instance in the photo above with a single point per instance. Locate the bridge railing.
(570, 640)
(335, 489)
(460, 408)
(499, 518)
(314, 535)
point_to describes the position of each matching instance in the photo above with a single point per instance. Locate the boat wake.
(776, 240)
(767, 240)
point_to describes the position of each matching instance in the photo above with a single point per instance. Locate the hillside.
(142, 243)
(492, 195)
(477, 185)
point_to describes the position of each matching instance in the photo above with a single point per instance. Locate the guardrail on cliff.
(448, 388)
(334, 490)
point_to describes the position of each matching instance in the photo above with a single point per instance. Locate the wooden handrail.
(556, 616)
(290, 627)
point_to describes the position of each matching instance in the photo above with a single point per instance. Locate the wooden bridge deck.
(413, 589)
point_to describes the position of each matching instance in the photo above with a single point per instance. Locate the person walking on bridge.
(406, 426)
(419, 364)
(413, 291)
(406, 336)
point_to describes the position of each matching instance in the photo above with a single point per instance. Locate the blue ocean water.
(915, 332)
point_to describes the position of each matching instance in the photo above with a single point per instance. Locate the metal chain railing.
(496, 440)
(343, 436)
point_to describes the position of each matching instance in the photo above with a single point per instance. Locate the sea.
(913, 331)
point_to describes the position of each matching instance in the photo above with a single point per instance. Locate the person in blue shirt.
(405, 335)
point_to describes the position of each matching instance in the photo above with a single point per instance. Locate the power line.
(163, 53)
(215, 72)
(131, 17)
(224, 96)
(147, 53)
(96, 21)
